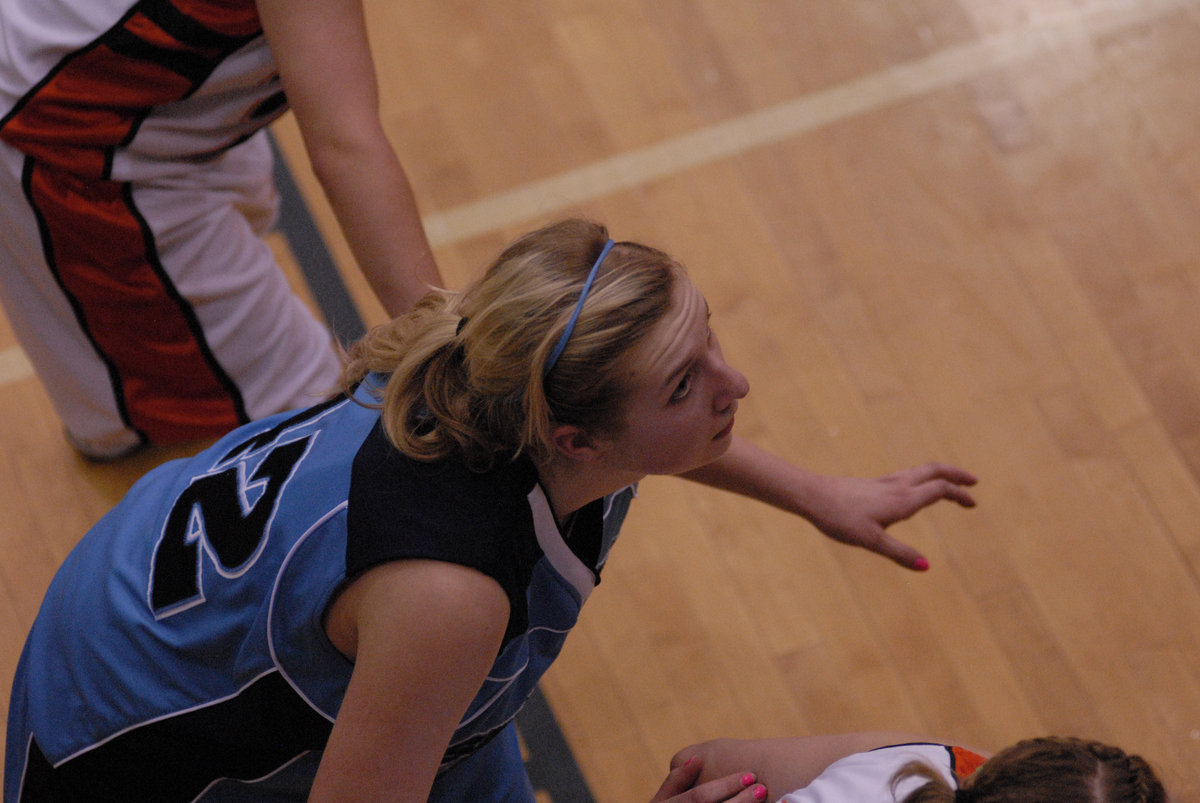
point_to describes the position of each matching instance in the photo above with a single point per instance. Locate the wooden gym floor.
(965, 230)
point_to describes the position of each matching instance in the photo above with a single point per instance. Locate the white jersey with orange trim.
(867, 777)
(123, 89)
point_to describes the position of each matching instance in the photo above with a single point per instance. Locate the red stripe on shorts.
(172, 387)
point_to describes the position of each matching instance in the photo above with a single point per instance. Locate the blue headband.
(566, 335)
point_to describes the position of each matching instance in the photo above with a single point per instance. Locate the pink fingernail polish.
(748, 779)
(760, 793)
(921, 565)
(688, 763)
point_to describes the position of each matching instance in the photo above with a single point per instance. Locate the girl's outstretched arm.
(848, 509)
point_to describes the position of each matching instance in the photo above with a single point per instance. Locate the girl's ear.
(575, 444)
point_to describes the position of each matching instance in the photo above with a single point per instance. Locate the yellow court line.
(767, 126)
(786, 120)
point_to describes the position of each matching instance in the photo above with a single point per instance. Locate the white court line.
(786, 120)
(14, 366)
(767, 126)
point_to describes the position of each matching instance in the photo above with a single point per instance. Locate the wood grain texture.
(948, 229)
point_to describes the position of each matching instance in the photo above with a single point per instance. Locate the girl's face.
(683, 395)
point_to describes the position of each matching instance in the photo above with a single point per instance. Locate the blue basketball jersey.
(180, 652)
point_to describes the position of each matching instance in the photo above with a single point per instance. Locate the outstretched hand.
(679, 786)
(847, 509)
(858, 511)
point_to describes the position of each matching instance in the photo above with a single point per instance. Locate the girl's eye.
(682, 390)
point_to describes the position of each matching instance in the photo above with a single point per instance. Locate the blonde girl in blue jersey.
(351, 601)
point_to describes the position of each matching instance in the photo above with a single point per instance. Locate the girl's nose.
(732, 386)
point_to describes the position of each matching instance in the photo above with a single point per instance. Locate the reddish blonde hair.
(1045, 770)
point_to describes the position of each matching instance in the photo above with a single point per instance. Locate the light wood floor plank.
(946, 229)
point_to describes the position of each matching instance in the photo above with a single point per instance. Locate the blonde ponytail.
(463, 372)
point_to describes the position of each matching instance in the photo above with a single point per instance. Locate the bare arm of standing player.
(327, 72)
(423, 635)
(787, 764)
(848, 509)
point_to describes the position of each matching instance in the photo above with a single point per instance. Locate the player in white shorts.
(135, 190)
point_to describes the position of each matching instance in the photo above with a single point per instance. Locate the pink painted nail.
(760, 792)
(748, 779)
(921, 565)
(688, 763)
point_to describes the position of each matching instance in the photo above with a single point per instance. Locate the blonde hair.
(1044, 770)
(463, 372)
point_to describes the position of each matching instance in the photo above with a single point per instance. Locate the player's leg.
(181, 326)
(209, 228)
(80, 384)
